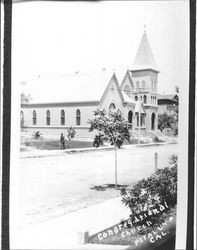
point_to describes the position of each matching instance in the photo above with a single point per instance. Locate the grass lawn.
(55, 144)
(128, 236)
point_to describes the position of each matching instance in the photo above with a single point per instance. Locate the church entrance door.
(153, 121)
(130, 116)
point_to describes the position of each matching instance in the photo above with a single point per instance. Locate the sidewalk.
(61, 232)
(45, 153)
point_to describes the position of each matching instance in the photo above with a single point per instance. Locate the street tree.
(70, 134)
(111, 127)
(25, 98)
(168, 121)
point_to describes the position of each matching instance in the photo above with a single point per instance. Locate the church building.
(69, 100)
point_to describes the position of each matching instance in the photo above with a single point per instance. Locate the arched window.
(137, 119)
(136, 98)
(22, 118)
(62, 117)
(143, 85)
(142, 119)
(137, 86)
(145, 99)
(78, 117)
(48, 118)
(127, 89)
(34, 117)
(130, 116)
(112, 107)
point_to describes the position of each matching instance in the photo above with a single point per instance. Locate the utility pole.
(156, 161)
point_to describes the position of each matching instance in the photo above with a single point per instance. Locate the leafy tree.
(25, 98)
(171, 120)
(70, 134)
(111, 127)
(168, 121)
(36, 135)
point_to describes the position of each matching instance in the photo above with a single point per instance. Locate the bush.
(98, 140)
(36, 135)
(159, 189)
(156, 139)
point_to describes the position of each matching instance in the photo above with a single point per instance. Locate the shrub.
(71, 133)
(159, 189)
(156, 139)
(98, 140)
(36, 135)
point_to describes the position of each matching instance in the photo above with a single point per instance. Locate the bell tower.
(145, 79)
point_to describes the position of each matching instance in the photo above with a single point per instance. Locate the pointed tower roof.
(144, 58)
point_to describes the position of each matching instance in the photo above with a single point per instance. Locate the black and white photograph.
(100, 94)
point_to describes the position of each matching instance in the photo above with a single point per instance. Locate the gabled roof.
(127, 98)
(127, 74)
(139, 107)
(167, 97)
(77, 87)
(115, 81)
(144, 58)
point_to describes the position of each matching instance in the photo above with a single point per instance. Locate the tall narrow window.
(34, 117)
(141, 118)
(48, 118)
(62, 117)
(78, 117)
(145, 99)
(137, 119)
(22, 118)
(136, 98)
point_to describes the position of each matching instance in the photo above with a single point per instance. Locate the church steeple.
(144, 58)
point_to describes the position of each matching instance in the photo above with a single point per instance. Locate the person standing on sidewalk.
(62, 141)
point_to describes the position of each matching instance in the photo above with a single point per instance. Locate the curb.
(84, 150)
(67, 151)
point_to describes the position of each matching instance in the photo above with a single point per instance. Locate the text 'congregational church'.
(56, 109)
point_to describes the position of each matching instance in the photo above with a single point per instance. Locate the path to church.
(53, 186)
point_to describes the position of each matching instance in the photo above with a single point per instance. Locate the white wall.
(70, 115)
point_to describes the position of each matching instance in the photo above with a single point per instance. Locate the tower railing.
(141, 90)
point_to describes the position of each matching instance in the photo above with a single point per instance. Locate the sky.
(56, 38)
